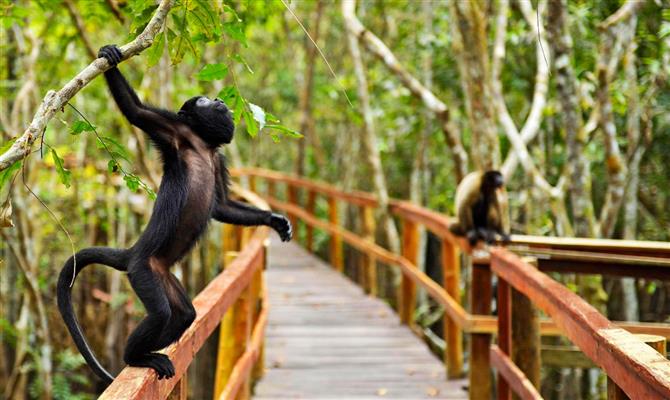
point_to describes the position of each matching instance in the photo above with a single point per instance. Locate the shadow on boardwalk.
(326, 339)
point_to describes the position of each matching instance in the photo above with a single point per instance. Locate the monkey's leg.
(144, 339)
(183, 312)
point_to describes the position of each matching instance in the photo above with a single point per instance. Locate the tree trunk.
(369, 134)
(566, 82)
(306, 123)
(473, 60)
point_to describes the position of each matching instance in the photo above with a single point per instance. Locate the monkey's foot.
(159, 362)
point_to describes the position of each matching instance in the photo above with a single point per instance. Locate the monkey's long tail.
(115, 258)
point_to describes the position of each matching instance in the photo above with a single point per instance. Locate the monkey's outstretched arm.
(238, 213)
(155, 124)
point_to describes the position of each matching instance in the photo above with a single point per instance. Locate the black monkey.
(194, 189)
(478, 207)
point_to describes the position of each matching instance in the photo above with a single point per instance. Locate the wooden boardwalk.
(326, 339)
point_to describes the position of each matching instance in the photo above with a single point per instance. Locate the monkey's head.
(492, 181)
(209, 119)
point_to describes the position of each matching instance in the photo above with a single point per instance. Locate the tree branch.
(519, 152)
(531, 127)
(54, 101)
(438, 107)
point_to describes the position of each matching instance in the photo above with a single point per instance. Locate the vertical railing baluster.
(526, 334)
(451, 270)
(336, 258)
(292, 198)
(410, 249)
(368, 261)
(504, 333)
(310, 208)
(480, 364)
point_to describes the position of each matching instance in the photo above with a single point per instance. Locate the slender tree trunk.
(435, 105)
(370, 137)
(472, 51)
(306, 123)
(566, 81)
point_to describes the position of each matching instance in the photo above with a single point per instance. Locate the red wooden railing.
(237, 289)
(616, 257)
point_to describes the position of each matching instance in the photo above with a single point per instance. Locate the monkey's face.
(210, 119)
(493, 181)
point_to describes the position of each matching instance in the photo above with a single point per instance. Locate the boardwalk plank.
(327, 340)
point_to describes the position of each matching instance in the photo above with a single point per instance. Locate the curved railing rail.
(238, 289)
(631, 258)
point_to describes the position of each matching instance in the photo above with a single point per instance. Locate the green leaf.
(252, 125)
(64, 175)
(113, 147)
(81, 126)
(212, 72)
(112, 166)
(7, 174)
(285, 131)
(141, 16)
(132, 181)
(234, 100)
(156, 50)
(259, 115)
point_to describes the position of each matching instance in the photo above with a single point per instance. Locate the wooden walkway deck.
(326, 339)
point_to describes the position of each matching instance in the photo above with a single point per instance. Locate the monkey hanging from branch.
(193, 190)
(481, 207)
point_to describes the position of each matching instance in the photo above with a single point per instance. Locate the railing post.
(368, 261)
(252, 182)
(335, 240)
(658, 343)
(259, 368)
(451, 271)
(504, 333)
(526, 346)
(236, 324)
(272, 188)
(228, 349)
(480, 364)
(310, 207)
(180, 390)
(410, 249)
(292, 198)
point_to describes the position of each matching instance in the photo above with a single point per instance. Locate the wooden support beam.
(451, 272)
(252, 183)
(336, 255)
(180, 391)
(521, 386)
(310, 208)
(504, 335)
(292, 198)
(407, 292)
(272, 188)
(526, 334)
(368, 260)
(480, 366)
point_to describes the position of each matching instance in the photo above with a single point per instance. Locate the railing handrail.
(438, 223)
(638, 369)
(210, 304)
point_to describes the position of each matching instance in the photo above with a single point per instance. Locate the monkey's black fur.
(193, 190)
